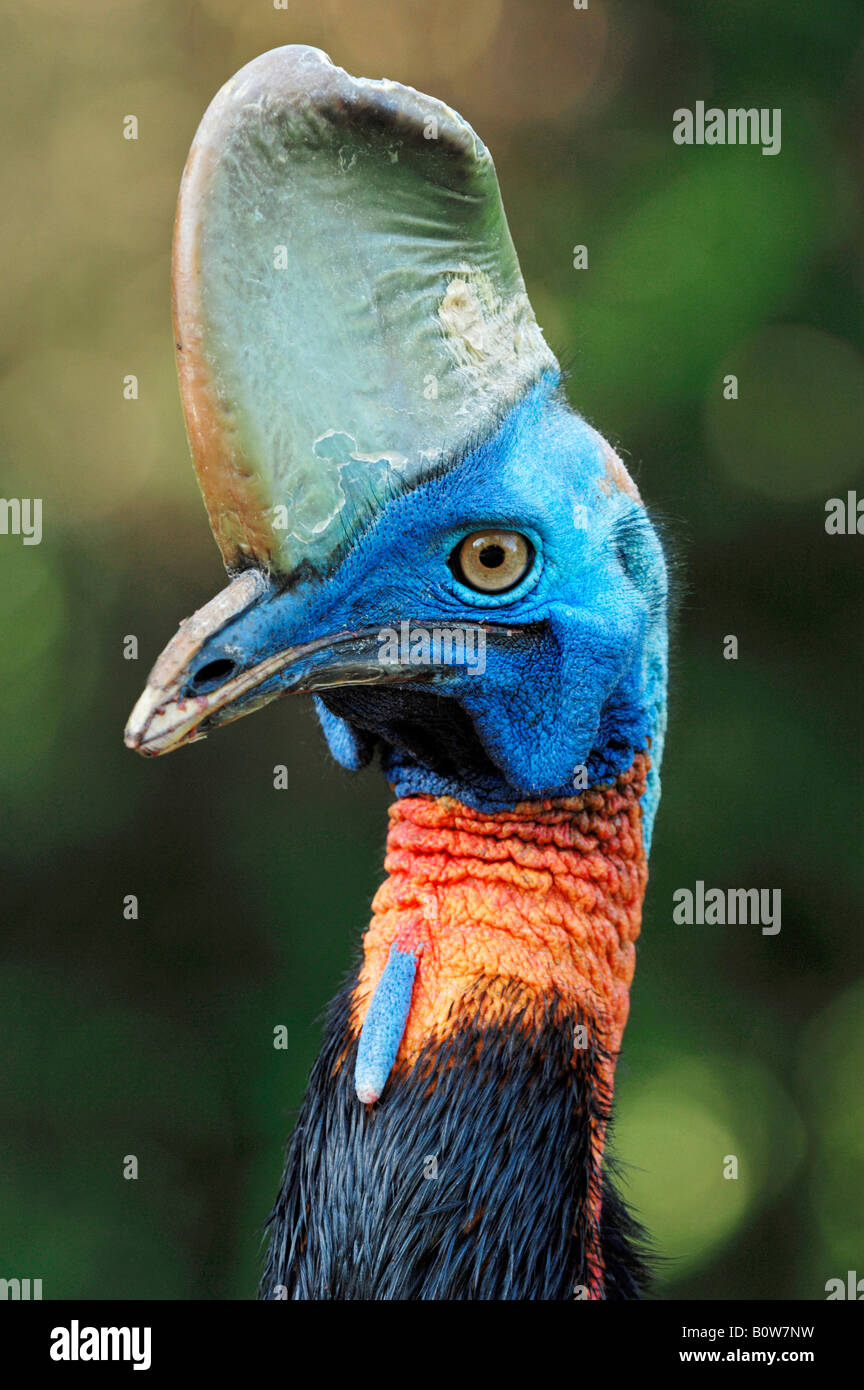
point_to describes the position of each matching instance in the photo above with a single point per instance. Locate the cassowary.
(422, 533)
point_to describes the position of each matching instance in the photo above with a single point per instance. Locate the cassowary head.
(417, 527)
(421, 532)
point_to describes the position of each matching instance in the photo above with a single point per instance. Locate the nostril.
(213, 672)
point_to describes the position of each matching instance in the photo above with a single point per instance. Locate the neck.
(515, 932)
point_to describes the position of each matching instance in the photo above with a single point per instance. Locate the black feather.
(505, 1113)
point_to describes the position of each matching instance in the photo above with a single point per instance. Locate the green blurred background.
(154, 1037)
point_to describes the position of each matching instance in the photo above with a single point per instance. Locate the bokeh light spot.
(797, 428)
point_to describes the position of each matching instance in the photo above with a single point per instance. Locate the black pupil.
(213, 671)
(491, 556)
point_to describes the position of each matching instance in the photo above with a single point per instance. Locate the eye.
(492, 561)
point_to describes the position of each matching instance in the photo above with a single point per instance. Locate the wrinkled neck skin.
(488, 1009)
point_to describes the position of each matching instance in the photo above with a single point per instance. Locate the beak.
(169, 713)
(162, 719)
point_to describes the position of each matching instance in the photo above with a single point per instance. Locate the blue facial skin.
(585, 690)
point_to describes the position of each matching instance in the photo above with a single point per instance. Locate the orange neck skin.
(544, 900)
(547, 895)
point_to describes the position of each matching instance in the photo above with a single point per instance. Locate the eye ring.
(492, 561)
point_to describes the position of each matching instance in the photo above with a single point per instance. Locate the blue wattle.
(384, 1025)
